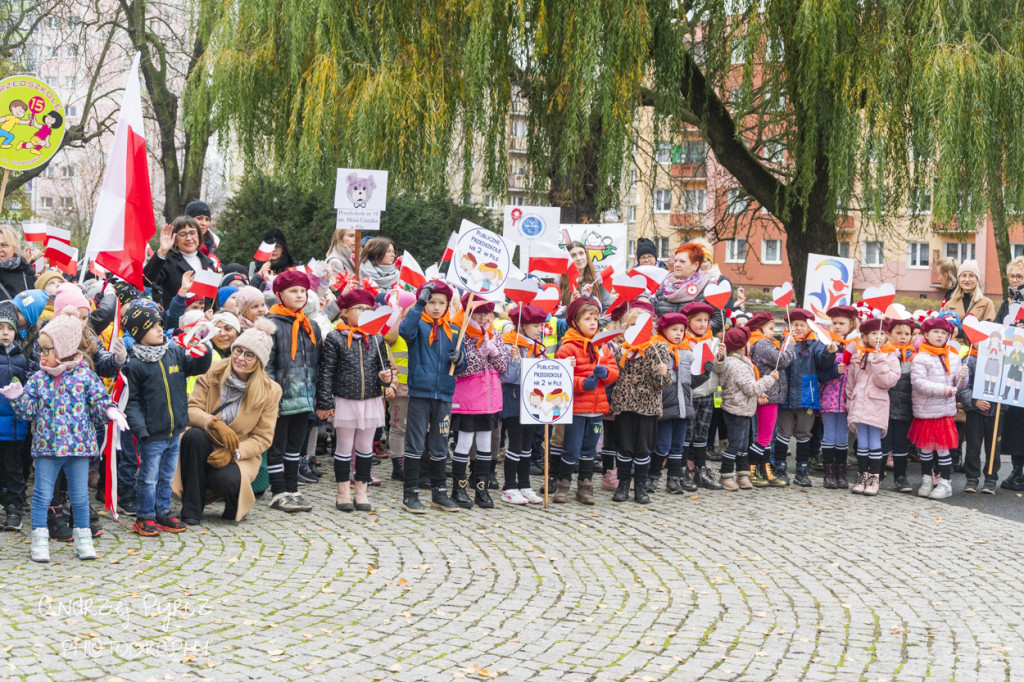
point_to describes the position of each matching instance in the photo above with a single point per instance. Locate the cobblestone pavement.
(755, 585)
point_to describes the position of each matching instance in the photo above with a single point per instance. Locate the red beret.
(289, 279)
(356, 297)
(936, 323)
(642, 303)
(479, 304)
(736, 338)
(871, 325)
(573, 311)
(760, 320)
(847, 311)
(439, 288)
(669, 319)
(527, 314)
(697, 307)
(800, 315)
(892, 324)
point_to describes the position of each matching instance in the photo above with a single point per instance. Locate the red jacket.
(575, 345)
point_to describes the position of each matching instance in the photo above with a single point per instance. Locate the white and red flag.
(205, 284)
(34, 232)
(265, 251)
(411, 272)
(545, 257)
(449, 250)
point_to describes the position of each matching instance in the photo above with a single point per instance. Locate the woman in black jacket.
(178, 253)
(16, 274)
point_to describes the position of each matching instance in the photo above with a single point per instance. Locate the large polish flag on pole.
(124, 221)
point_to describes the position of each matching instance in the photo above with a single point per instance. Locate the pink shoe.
(610, 480)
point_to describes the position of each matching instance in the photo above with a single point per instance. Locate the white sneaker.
(513, 496)
(41, 545)
(942, 490)
(530, 496)
(926, 486)
(83, 543)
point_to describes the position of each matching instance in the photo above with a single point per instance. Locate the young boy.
(698, 328)
(15, 439)
(432, 343)
(294, 365)
(157, 413)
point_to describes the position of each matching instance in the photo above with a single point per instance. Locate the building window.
(662, 200)
(774, 151)
(632, 214)
(662, 243)
(735, 250)
(736, 200)
(873, 255)
(959, 251)
(771, 251)
(73, 111)
(70, 81)
(873, 201)
(518, 127)
(490, 201)
(45, 202)
(71, 50)
(739, 50)
(67, 202)
(54, 52)
(920, 201)
(693, 152)
(47, 172)
(632, 177)
(67, 171)
(76, 20)
(1016, 250)
(917, 255)
(663, 154)
(517, 200)
(693, 200)
(52, 22)
(844, 249)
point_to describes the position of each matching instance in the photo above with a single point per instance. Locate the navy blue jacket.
(158, 392)
(809, 360)
(428, 363)
(12, 364)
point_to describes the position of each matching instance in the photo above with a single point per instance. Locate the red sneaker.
(146, 528)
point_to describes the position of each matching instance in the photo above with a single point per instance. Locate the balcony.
(516, 181)
(690, 171)
(686, 220)
(517, 144)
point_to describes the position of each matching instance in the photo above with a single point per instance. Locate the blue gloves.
(601, 372)
(590, 383)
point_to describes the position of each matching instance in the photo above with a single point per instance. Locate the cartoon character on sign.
(1015, 361)
(360, 189)
(599, 247)
(535, 404)
(993, 365)
(468, 271)
(41, 139)
(18, 110)
(834, 290)
(558, 401)
(490, 275)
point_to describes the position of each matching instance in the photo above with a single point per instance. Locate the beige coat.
(255, 433)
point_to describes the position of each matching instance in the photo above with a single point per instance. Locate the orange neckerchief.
(840, 340)
(941, 353)
(758, 336)
(572, 335)
(905, 352)
(513, 338)
(342, 327)
(435, 325)
(809, 336)
(691, 340)
(300, 321)
(628, 348)
(974, 352)
(473, 332)
(864, 351)
(674, 347)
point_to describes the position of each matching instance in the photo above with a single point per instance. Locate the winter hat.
(937, 323)
(800, 315)
(439, 288)
(259, 339)
(125, 292)
(847, 311)
(479, 305)
(736, 338)
(738, 317)
(224, 293)
(891, 324)
(872, 325)
(46, 277)
(70, 295)
(527, 314)
(246, 296)
(288, 279)
(9, 314)
(228, 318)
(669, 319)
(234, 278)
(970, 266)
(760, 320)
(642, 303)
(573, 311)
(65, 330)
(197, 208)
(190, 318)
(276, 236)
(31, 304)
(356, 297)
(140, 319)
(645, 247)
(697, 307)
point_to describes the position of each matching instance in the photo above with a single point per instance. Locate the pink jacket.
(867, 390)
(478, 388)
(935, 389)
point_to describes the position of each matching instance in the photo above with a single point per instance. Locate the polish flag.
(59, 253)
(265, 251)
(449, 250)
(615, 264)
(411, 272)
(69, 268)
(573, 273)
(35, 232)
(205, 284)
(546, 257)
(124, 220)
(652, 273)
(703, 352)
(58, 234)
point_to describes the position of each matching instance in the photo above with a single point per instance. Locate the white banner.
(482, 260)
(829, 283)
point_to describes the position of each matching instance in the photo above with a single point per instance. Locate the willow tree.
(878, 97)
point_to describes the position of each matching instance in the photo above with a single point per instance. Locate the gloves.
(491, 349)
(590, 383)
(457, 356)
(425, 294)
(119, 351)
(12, 390)
(222, 434)
(219, 458)
(601, 372)
(117, 416)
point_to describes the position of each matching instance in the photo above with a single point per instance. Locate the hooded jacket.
(158, 392)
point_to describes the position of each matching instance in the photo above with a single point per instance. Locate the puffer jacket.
(900, 395)
(511, 381)
(428, 363)
(965, 396)
(349, 372)
(741, 387)
(932, 397)
(478, 385)
(13, 365)
(765, 355)
(677, 397)
(158, 392)
(589, 402)
(809, 357)
(867, 389)
(297, 376)
(640, 384)
(833, 384)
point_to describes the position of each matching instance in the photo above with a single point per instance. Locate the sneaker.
(941, 490)
(411, 503)
(306, 474)
(13, 521)
(610, 480)
(440, 500)
(530, 496)
(40, 545)
(902, 485)
(757, 476)
(374, 480)
(652, 483)
(301, 503)
(990, 486)
(971, 486)
(802, 479)
(127, 506)
(146, 528)
(674, 485)
(83, 544)
(283, 502)
(170, 524)
(858, 487)
(513, 496)
(926, 486)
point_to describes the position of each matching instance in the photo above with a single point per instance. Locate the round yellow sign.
(31, 123)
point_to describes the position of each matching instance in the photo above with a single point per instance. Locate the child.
(14, 432)
(251, 305)
(875, 368)
(30, 305)
(592, 371)
(936, 375)
(741, 387)
(980, 426)
(398, 407)
(698, 316)
(433, 349)
(44, 128)
(47, 282)
(676, 404)
(67, 401)
(293, 365)
(353, 381)
(636, 402)
(157, 412)
(834, 441)
(901, 411)
(529, 320)
(767, 354)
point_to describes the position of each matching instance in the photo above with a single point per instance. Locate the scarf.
(684, 290)
(864, 351)
(150, 353)
(905, 352)
(941, 353)
(691, 340)
(300, 321)
(759, 336)
(64, 366)
(674, 347)
(573, 335)
(473, 330)
(436, 326)
(352, 331)
(628, 349)
(12, 263)
(231, 394)
(535, 349)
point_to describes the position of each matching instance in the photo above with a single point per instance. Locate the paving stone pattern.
(755, 585)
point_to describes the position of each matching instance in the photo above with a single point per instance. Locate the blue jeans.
(76, 470)
(127, 466)
(671, 437)
(159, 462)
(836, 433)
(869, 438)
(580, 440)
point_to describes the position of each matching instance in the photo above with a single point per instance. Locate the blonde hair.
(947, 267)
(338, 243)
(257, 389)
(1015, 264)
(12, 235)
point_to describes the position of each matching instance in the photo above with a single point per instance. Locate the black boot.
(1015, 475)
(640, 495)
(689, 480)
(803, 464)
(654, 476)
(397, 469)
(492, 477)
(622, 492)
(438, 490)
(781, 452)
(481, 473)
(707, 479)
(410, 492)
(840, 471)
(460, 486)
(56, 521)
(674, 482)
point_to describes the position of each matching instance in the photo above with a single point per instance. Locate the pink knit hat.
(65, 330)
(70, 295)
(246, 296)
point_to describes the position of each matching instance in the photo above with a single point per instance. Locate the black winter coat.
(900, 408)
(164, 274)
(349, 372)
(17, 279)
(158, 394)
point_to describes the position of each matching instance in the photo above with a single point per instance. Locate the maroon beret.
(893, 323)
(479, 304)
(289, 279)
(800, 315)
(697, 307)
(871, 325)
(936, 323)
(847, 311)
(573, 311)
(356, 296)
(527, 314)
(760, 320)
(669, 319)
(439, 288)
(736, 338)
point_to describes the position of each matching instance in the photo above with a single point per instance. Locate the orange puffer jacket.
(575, 345)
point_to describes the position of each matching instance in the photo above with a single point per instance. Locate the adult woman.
(588, 284)
(231, 414)
(967, 298)
(339, 255)
(16, 274)
(378, 262)
(686, 282)
(178, 253)
(1013, 417)
(200, 211)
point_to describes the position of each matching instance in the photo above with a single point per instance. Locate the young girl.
(398, 406)
(251, 305)
(476, 403)
(901, 412)
(353, 379)
(67, 401)
(593, 370)
(526, 343)
(936, 375)
(676, 402)
(636, 402)
(874, 369)
(767, 354)
(833, 402)
(698, 316)
(742, 385)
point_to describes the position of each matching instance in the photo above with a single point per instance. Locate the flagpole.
(3, 188)
(465, 323)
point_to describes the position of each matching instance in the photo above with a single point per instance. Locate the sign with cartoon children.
(31, 123)
(546, 391)
(481, 262)
(603, 241)
(360, 195)
(999, 374)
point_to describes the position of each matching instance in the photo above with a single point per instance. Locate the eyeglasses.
(46, 350)
(246, 355)
(188, 233)
(1016, 276)
(360, 308)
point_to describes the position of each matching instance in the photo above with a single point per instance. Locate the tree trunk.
(998, 212)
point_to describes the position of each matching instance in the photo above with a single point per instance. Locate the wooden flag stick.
(547, 480)
(355, 251)
(462, 330)
(3, 188)
(995, 439)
